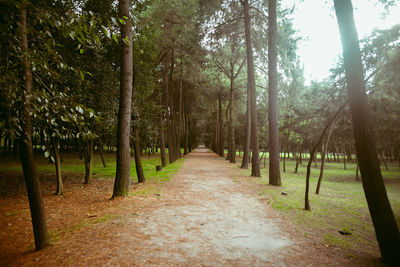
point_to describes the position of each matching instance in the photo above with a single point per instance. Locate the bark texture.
(40, 232)
(251, 84)
(246, 146)
(122, 178)
(378, 203)
(274, 168)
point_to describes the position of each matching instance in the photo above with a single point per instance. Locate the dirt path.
(204, 216)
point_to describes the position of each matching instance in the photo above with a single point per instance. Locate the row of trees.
(310, 118)
(60, 73)
(180, 69)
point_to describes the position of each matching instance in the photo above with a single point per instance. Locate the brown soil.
(201, 217)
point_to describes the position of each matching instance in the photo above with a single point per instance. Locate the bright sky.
(316, 22)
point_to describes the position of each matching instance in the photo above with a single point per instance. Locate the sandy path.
(203, 217)
(207, 220)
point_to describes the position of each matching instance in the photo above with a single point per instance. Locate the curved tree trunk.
(251, 84)
(381, 212)
(122, 178)
(312, 154)
(40, 232)
(321, 172)
(138, 161)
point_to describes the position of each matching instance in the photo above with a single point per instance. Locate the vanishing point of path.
(207, 215)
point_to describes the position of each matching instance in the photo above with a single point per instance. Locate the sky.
(316, 22)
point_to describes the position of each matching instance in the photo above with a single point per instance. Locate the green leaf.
(82, 75)
(121, 21)
(81, 50)
(115, 38)
(114, 21)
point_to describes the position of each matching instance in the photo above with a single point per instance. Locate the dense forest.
(137, 77)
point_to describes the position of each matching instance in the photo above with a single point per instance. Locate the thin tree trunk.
(138, 161)
(178, 141)
(88, 155)
(297, 163)
(162, 143)
(168, 111)
(102, 153)
(383, 161)
(216, 144)
(344, 159)
(321, 172)
(357, 170)
(186, 133)
(40, 232)
(251, 83)
(378, 203)
(57, 163)
(221, 128)
(122, 178)
(246, 145)
(312, 153)
(231, 149)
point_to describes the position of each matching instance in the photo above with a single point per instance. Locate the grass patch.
(72, 164)
(341, 204)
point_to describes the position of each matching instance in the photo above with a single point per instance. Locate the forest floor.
(209, 214)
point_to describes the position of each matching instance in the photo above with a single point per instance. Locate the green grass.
(72, 164)
(341, 204)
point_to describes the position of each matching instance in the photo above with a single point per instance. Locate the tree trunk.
(321, 172)
(122, 178)
(88, 155)
(138, 161)
(378, 203)
(178, 139)
(162, 143)
(384, 161)
(251, 84)
(221, 128)
(296, 168)
(344, 159)
(231, 148)
(168, 110)
(274, 170)
(312, 154)
(357, 170)
(186, 133)
(102, 153)
(40, 232)
(246, 146)
(57, 163)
